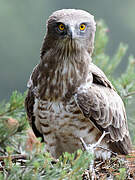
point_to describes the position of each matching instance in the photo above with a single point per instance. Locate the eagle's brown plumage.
(69, 97)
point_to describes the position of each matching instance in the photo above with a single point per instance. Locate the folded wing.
(104, 107)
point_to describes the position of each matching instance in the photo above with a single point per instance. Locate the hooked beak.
(71, 32)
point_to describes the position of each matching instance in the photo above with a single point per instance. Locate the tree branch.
(14, 157)
(129, 94)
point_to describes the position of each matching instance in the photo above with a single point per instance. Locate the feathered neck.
(63, 69)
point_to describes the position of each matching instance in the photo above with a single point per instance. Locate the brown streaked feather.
(29, 104)
(100, 77)
(103, 106)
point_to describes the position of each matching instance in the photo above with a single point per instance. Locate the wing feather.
(104, 107)
(30, 101)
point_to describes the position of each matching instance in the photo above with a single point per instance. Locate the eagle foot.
(90, 149)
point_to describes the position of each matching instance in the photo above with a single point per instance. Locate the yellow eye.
(82, 27)
(61, 27)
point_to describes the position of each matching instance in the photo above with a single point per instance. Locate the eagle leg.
(90, 149)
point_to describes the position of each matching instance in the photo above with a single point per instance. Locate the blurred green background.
(22, 28)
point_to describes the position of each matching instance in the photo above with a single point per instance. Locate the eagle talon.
(92, 147)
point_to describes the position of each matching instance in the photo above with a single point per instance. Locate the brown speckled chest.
(62, 124)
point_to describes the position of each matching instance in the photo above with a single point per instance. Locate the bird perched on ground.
(71, 98)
